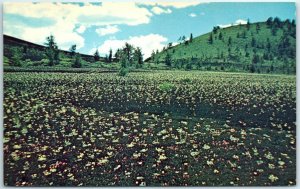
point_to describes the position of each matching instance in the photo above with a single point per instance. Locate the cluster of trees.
(17, 55)
(52, 51)
(154, 57)
(76, 57)
(129, 56)
(183, 39)
(284, 50)
(209, 64)
(108, 57)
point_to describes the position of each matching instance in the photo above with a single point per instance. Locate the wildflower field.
(159, 128)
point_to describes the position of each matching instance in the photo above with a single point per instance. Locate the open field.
(152, 128)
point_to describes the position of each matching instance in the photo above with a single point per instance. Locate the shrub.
(188, 66)
(123, 72)
(77, 62)
(16, 57)
(167, 87)
(186, 80)
(34, 55)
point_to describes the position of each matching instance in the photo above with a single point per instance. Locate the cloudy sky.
(149, 25)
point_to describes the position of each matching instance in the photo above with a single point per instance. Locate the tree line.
(127, 56)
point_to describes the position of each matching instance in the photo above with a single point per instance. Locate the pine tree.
(138, 56)
(52, 51)
(277, 22)
(268, 45)
(257, 27)
(293, 22)
(179, 40)
(77, 61)
(16, 57)
(244, 34)
(191, 38)
(247, 54)
(229, 41)
(210, 39)
(118, 54)
(215, 29)
(255, 59)
(153, 55)
(274, 31)
(168, 60)
(248, 24)
(270, 22)
(110, 56)
(253, 42)
(252, 68)
(128, 50)
(96, 55)
(220, 36)
(73, 50)
(124, 60)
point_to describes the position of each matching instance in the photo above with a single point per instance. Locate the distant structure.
(12, 41)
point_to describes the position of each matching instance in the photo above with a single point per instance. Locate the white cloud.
(158, 10)
(62, 31)
(112, 13)
(192, 15)
(175, 4)
(225, 25)
(237, 22)
(107, 30)
(81, 29)
(146, 42)
(175, 43)
(67, 16)
(92, 51)
(108, 13)
(240, 21)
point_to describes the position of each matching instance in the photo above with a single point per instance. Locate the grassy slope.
(200, 48)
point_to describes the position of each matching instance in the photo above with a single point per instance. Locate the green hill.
(259, 47)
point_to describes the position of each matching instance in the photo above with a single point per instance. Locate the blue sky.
(149, 25)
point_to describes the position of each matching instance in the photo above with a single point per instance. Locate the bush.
(16, 57)
(123, 72)
(34, 55)
(188, 66)
(167, 87)
(5, 61)
(77, 62)
(186, 80)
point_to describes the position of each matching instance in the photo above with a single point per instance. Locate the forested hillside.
(254, 47)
